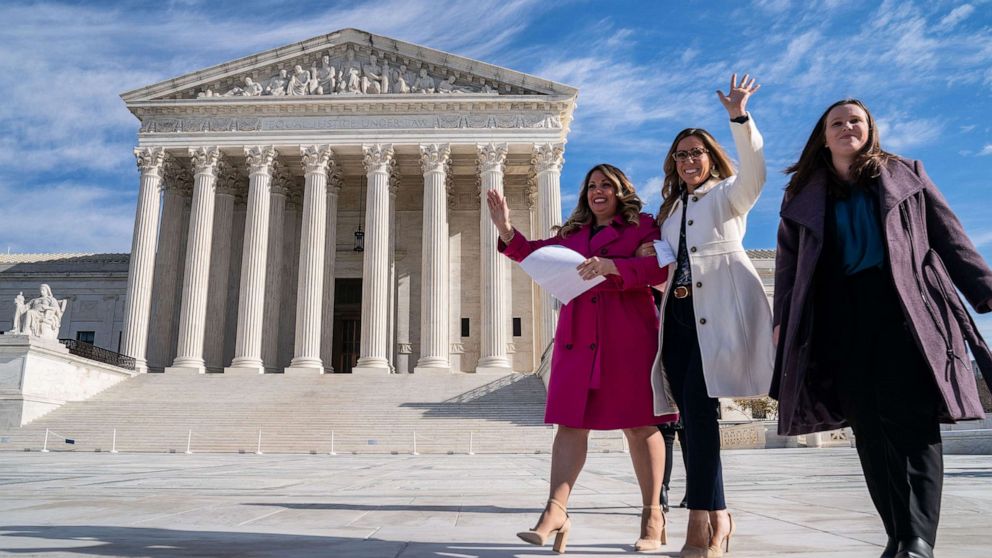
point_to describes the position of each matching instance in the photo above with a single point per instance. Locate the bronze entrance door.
(347, 324)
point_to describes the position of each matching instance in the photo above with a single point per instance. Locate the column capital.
(260, 158)
(532, 191)
(282, 179)
(435, 157)
(548, 157)
(150, 159)
(229, 179)
(379, 157)
(205, 159)
(492, 157)
(335, 180)
(316, 158)
(177, 175)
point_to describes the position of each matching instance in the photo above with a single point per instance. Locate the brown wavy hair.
(673, 185)
(816, 157)
(629, 204)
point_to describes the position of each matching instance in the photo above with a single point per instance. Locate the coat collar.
(897, 181)
(706, 187)
(607, 235)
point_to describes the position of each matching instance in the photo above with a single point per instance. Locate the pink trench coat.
(607, 337)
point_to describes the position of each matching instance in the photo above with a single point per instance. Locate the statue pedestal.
(39, 375)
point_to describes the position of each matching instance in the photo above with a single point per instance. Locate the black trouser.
(889, 397)
(668, 432)
(700, 412)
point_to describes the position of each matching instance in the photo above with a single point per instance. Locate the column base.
(303, 370)
(185, 370)
(244, 370)
(432, 370)
(493, 370)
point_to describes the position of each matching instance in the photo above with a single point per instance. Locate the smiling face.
(601, 195)
(693, 170)
(846, 130)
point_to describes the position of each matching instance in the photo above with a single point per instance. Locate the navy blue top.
(858, 230)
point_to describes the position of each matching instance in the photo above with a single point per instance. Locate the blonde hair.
(672, 187)
(629, 204)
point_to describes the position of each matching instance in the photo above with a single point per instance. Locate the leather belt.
(682, 291)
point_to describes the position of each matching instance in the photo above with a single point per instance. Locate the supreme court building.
(316, 208)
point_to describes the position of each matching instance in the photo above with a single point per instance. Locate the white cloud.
(899, 133)
(956, 16)
(987, 150)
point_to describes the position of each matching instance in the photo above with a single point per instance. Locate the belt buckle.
(681, 291)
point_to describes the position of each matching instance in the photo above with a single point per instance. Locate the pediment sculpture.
(348, 75)
(41, 317)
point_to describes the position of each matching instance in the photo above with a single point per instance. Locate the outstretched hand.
(735, 101)
(499, 211)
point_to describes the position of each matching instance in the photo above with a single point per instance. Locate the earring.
(714, 173)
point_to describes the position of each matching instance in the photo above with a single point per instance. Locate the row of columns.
(265, 205)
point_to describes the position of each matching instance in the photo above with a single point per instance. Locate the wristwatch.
(741, 119)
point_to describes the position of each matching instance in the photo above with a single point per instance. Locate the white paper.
(664, 253)
(553, 268)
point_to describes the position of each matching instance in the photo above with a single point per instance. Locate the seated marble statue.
(446, 85)
(298, 81)
(326, 77)
(277, 84)
(41, 317)
(371, 83)
(424, 83)
(384, 77)
(251, 89)
(400, 84)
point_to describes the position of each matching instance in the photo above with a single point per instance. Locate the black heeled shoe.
(664, 499)
(891, 547)
(914, 548)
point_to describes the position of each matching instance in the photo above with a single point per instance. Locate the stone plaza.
(795, 503)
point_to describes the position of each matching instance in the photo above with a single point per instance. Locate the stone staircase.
(297, 414)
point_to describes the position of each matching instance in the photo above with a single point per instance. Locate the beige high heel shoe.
(689, 551)
(722, 547)
(538, 538)
(646, 545)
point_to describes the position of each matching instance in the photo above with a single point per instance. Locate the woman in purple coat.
(603, 348)
(869, 327)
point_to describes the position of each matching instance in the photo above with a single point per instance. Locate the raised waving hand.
(735, 101)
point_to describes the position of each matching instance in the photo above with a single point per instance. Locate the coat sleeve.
(641, 272)
(519, 247)
(967, 268)
(744, 192)
(786, 251)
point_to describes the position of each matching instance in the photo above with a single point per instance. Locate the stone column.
(547, 159)
(335, 180)
(435, 161)
(192, 313)
(177, 183)
(494, 289)
(139, 286)
(374, 357)
(306, 350)
(219, 282)
(391, 325)
(251, 303)
(281, 180)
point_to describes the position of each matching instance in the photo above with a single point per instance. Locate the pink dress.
(607, 337)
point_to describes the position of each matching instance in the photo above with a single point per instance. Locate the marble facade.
(255, 176)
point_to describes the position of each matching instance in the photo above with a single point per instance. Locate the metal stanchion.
(415, 443)
(44, 449)
(332, 443)
(471, 443)
(113, 447)
(189, 441)
(258, 450)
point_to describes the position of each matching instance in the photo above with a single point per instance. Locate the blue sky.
(644, 70)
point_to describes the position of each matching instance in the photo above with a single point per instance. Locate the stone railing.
(85, 350)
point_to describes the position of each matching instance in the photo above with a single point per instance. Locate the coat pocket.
(947, 305)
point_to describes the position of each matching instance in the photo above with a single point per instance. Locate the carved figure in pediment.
(206, 93)
(298, 81)
(277, 84)
(371, 77)
(446, 85)
(41, 317)
(250, 89)
(384, 79)
(326, 76)
(400, 83)
(352, 72)
(424, 83)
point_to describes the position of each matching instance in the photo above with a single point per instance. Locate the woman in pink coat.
(603, 348)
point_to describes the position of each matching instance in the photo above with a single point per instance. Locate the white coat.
(733, 317)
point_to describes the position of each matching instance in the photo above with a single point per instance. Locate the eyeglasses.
(694, 153)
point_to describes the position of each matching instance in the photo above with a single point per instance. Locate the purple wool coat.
(607, 337)
(930, 258)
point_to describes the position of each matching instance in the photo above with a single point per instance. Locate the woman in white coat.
(716, 329)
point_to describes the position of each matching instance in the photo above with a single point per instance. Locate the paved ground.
(797, 503)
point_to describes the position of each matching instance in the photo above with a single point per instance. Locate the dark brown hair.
(816, 157)
(629, 204)
(672, 187)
